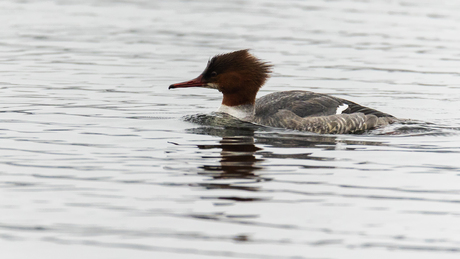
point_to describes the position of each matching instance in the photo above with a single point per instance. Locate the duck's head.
(238, 75)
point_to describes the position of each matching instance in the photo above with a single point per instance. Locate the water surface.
(99, 160)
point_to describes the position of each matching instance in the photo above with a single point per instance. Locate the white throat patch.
(240, 111)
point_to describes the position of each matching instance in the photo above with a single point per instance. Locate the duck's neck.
(242, 112)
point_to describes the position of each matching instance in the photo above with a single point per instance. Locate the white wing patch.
(341, 108)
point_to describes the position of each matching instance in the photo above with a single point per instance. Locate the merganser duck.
(239, 76)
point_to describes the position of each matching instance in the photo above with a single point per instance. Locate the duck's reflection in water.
(241, 158)
(237, 158)
(242, 151)
(237, 161)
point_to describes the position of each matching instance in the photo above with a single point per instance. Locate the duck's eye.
(213, 73)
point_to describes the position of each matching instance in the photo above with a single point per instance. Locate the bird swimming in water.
(239, 75)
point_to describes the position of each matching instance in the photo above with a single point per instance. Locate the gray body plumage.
(314, 112)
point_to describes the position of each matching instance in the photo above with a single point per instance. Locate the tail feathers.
(383, 121)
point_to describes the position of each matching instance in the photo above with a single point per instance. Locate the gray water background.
(99, 160)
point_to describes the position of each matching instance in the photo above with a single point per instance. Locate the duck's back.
(321, 113)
